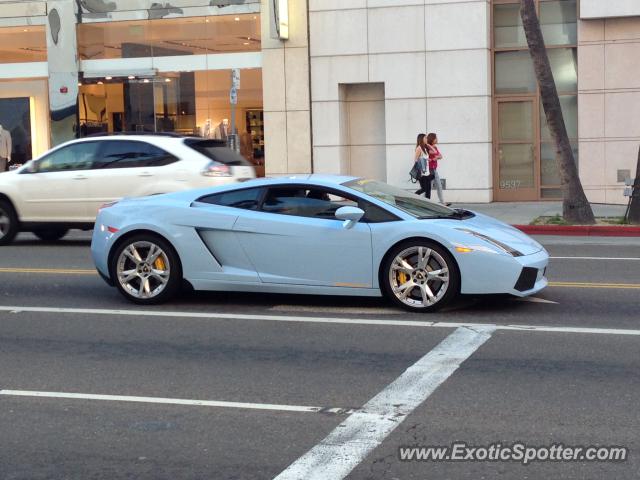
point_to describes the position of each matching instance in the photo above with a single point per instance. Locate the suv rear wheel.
(8, 223)
(50, 234)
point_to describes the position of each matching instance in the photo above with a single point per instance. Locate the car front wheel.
(8, 223)
(146, 269)
(420, 276)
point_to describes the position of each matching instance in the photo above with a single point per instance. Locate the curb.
(580, 230)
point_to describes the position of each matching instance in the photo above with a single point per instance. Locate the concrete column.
(62, 55)
(285, 78)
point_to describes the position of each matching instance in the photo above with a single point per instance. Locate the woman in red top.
(434, 156)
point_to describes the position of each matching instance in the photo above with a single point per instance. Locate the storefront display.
(15, 131)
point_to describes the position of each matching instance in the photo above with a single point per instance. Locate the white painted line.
(337, 310)
(328, 320)
(631, 259)
(173, 401)
(536, 300)
(346, 446)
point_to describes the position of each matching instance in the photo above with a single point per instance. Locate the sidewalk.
(521, 214)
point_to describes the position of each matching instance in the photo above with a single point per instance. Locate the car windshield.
(408, 202)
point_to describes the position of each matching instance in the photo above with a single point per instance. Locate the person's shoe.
(447, 204)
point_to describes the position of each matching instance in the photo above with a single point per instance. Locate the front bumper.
(485, 273)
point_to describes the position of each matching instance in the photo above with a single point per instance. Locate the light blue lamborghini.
(312, 234)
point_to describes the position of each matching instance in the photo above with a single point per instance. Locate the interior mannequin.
(5, 148)
(206, 130)
(222, 130)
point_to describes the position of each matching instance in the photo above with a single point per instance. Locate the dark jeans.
(3, 164)
(425, 185)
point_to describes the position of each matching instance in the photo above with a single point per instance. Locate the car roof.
(155, 139)
(313, 179)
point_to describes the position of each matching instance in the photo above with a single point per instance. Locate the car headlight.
(497, 243)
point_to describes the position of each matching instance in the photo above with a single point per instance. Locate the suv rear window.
(216, 150)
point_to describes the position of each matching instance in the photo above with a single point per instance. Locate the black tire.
(174, 277)
(9, 224)
(414, 301)
(52, 234)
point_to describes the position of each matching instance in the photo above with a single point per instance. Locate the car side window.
(130, 154)
(78, 156)
(314, 202)
(247, 199)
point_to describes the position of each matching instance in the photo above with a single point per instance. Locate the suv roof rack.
(115, 134)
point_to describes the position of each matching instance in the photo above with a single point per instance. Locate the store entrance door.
(515, 156)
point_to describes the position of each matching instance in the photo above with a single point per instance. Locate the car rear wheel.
(420, 276)
(8, 223)
(146, 269)
(50, 234)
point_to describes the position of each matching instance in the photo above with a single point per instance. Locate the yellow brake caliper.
(402, 278)
(159, 263)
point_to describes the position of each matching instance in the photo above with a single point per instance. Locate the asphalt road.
(245, 386)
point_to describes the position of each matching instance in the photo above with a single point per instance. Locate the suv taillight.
(215, 169)
(107, 205)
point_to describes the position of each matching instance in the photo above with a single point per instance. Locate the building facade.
(336, 86)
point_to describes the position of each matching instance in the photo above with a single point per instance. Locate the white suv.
(65, 187)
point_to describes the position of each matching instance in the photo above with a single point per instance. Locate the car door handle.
(145, 174)
(79, 177)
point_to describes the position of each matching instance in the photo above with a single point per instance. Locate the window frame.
(335, 191)
(260, 200)
(38, 162)
(104, 146)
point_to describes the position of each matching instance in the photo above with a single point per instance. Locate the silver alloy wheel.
(419, 277)
(5, 223)
(143, 269)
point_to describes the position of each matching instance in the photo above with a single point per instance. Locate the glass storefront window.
(564, 65)
(516, 166)
(169, 37)
(558, 20)
(515, 121)
(514, 72)
(549, 166)
(507, 27)
(23, 44)
(188, 103)
(569, 106)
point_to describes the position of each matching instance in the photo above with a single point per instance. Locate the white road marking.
(174, 401)
(636, 259)
(337, 310)
(329, 320)
(346, 446)
(536, 300)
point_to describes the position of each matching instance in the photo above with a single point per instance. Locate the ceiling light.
(146, 80)
(100, 83)
(108, 78)
(167, 80)
(25, 30)
(246, 43)
(131, 77)
(237, 19)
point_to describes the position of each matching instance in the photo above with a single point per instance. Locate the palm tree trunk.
(634, 207)
(575, 206)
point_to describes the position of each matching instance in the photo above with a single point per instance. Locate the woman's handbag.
(415, 173)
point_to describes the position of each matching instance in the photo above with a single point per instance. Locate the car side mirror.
(350, 215)
(31, 167)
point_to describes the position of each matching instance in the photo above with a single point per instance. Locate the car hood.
(501, 232)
